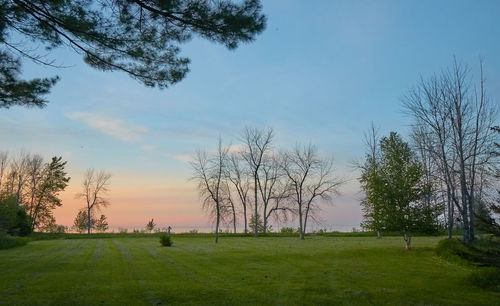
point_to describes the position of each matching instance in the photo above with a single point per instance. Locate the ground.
(239, 270)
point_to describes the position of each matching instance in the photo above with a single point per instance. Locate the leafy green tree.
(13, 218)
(81, 222)
(372, 183)
(7, 213)
(140, 38)
(54, 228)
(393, 186)
(53, 180)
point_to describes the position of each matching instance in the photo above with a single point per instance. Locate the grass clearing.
(239, 270)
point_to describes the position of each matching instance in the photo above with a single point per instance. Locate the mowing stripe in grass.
(98, 251)
(36, 267)
(238, 270)
(138, 275)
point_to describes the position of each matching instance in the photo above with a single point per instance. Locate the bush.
(165, 240)
(287, 230)
(54, 229)
(7, 242)
(487, 278)
(13, 218)
(484, 252)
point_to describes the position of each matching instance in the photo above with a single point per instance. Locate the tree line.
(448, 173)
(29, 189)
(253, 178)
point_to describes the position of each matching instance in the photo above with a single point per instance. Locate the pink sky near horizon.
(134, 200)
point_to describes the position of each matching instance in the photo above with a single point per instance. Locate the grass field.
(239, 270)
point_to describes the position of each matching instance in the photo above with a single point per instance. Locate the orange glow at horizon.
(134, 205)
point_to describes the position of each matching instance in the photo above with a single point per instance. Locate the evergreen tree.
(140, 38)
(150, 226)
(101, 224)
(260, 224)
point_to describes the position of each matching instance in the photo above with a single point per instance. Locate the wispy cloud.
(113, 127)
(148, 148)
(183, 157)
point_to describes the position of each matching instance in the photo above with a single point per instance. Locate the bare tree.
(280, 205)
(209, 173)
(311, 179)
(18, 175)
(228, 203)
(3, 166)
(35, 168)
(95, 186)
(371, 204)
(238, 177)
(35, 184)
(457, 115)
(273, 187)
(257, 145)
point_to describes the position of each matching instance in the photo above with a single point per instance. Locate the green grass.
(239, 270)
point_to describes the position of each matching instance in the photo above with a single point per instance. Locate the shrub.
(13, 218)
(54, 229)
(454, 250)
(487, 278)
(7, 242)
(289, 230)
(165, 240)
(484, 252)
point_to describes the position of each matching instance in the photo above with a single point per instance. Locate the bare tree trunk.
(300, 223)
(245, 217)
(217, 224)
(256, 219)
(407, 238)
(88, 221)
(304, 228)
(450, 213)
(234, 217)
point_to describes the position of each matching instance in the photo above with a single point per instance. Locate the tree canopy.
(392, 179)
(140, 38)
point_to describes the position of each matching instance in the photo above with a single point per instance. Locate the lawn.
(239, 270)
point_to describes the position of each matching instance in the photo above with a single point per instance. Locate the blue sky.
(320, 73)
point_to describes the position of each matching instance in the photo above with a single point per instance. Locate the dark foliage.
(140, 38)
(8, 242)
(483, 253)
(166, 240)
(13, 218)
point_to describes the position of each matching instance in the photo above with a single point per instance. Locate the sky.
(319, 73)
